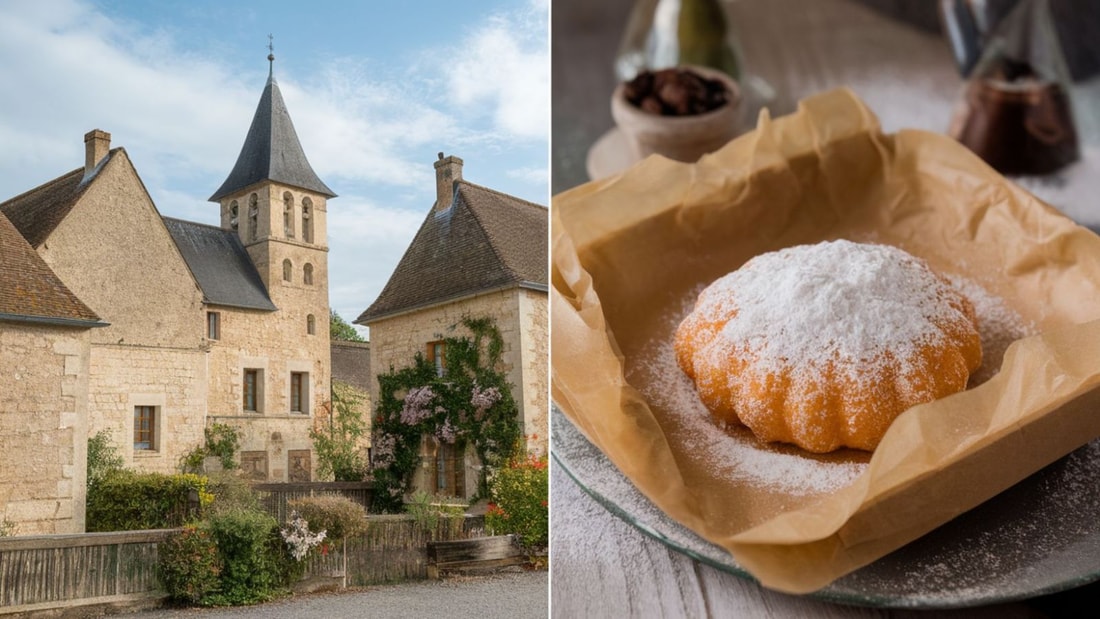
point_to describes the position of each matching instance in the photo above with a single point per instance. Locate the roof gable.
(30, 291)
(220, 264)
(484, 241)
(38, 212)
(271, 151)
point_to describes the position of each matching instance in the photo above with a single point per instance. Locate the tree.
(339, 329)
(337, 445)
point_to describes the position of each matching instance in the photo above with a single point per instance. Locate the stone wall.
(535, 358)
(351, 363)
(43, 425)
(173, 381)
(521, 317)
(275, 442)
(115, 254)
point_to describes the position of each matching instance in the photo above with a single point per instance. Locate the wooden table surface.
(601, 566)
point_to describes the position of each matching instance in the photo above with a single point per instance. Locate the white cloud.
(533, 175)
(505, 64)
(182, 114)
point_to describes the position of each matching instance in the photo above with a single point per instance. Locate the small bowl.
(683, 138)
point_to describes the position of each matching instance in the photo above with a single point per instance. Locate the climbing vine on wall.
(470, 404)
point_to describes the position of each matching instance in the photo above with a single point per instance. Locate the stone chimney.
(448, 170)
(97, 144)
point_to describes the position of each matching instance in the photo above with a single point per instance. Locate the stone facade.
(43, 427)
(286, 241)
(159, 372)
(520, 316)
(173, 382)
(152, 353)
(351, 365)
(534, 354)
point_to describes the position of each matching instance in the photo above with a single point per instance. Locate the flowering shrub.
(519, 496)
(340, 517)
(299, 539)
(470, 404)
(189, 565)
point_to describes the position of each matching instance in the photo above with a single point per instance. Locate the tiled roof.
(37, 212)
(272, 151)
(30, 291)
(484, 241)
(220, 264)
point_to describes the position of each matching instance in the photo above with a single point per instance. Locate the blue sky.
(375, 90)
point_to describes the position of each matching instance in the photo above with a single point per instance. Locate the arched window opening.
(307, 274)
(311, 325)
(234, 212)
(307, 220)
(287, 270)
(288, 215)
(253, 217)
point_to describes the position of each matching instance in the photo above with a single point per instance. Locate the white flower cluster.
(298, 537)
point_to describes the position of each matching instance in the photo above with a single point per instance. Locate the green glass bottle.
(668, 33)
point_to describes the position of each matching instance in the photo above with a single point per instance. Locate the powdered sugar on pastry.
(824, 345)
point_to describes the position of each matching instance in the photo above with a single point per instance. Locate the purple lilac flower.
(417, 405)
(482, 400)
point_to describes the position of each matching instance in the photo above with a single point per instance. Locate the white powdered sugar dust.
(731, 456)
(998, 325)
(739, 456)
(808, 306)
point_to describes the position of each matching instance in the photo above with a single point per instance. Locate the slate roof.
(220, 265)
(272, 151)
(38, 212)
(486, 240)
(30, 291)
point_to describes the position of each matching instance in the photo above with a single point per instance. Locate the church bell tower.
(277, 205)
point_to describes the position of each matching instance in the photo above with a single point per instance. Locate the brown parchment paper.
(627, 248)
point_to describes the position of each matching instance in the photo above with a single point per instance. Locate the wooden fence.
(44, 572)
(393, 549)
(275, 496)
(52, 571)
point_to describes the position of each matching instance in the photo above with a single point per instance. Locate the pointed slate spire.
(271, 150)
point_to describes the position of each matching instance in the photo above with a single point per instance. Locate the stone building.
(206, 324)
(45, 342)
(479, 253)
(351, 366)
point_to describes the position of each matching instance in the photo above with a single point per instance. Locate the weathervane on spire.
(271, 52)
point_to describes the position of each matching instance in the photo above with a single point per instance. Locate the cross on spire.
(271, 54)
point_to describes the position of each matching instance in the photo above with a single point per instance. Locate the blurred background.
(895, 54)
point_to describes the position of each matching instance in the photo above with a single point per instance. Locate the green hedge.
(126, 500)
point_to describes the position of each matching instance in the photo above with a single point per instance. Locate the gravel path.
(504, 595)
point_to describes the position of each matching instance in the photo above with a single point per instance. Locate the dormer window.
(253, 217)
(288, 215)
(307, 221)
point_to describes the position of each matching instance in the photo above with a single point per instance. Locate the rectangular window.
(251, 390)
(213, 326)
(145, 428)
(299, 390)
(435, 356)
